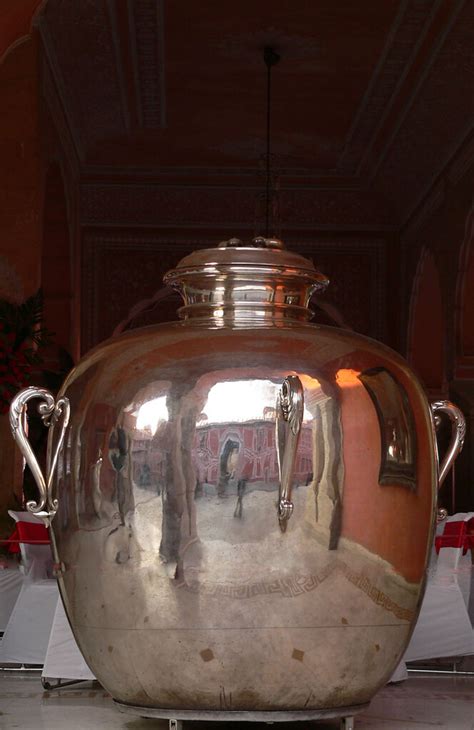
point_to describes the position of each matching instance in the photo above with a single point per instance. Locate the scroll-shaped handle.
(51, 412)
(289, 417)
(458, 425)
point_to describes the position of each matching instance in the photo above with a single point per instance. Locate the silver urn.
(243, 501)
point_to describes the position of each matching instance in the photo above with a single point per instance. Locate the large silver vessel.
(244, 501)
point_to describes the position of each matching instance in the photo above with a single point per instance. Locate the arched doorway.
(426, 327)
(15, 23)
(56, 279)
(464, 367)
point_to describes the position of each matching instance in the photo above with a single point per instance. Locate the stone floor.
(424, 702)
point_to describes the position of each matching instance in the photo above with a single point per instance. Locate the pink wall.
(426, 353)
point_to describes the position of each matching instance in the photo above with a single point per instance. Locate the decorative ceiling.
(370, 100)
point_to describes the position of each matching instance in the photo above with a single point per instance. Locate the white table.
(11, 581)
(63, 658)
(445, 626)
(26, 636)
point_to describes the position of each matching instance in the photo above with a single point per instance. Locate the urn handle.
(51, 411)
(458, 432)
(289, 417)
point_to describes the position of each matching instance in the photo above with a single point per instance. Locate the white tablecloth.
(445, 626)
(27, 632)
(11, 581)
(63, 658)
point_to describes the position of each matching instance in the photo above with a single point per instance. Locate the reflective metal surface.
(457, 438)
(181, 587)
(289, 419)
(51, 412)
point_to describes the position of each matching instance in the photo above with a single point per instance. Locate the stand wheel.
(176, 725)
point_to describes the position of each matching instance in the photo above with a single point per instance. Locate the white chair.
(36, 560)
(444, 627)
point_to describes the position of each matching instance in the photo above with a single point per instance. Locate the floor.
(424, 702)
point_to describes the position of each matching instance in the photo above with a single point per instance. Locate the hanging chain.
(271, 58)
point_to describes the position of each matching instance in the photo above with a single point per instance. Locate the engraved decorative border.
(297, 585)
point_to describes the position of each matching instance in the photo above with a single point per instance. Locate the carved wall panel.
(121, 269)
(358, 280)
(180, 206)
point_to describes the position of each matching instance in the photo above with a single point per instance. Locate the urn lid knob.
(257, 242)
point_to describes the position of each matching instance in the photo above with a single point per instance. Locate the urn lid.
(259, 253)
(246, 279)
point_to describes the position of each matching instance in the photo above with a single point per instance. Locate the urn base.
(346, 714)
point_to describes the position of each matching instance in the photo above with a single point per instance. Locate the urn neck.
(245, 283)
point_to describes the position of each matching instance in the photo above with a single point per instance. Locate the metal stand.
(60, 683)
(175, 725)
(177, 718)
(21, 668)
(445, 672)
(347, 723)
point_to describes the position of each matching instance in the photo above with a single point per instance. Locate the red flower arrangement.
(21, 339)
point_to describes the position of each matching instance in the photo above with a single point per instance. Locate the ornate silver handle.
(50, 412)
(289, 418)
(458, 434)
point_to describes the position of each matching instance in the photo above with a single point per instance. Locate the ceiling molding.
(132, 38)
(410, 24)
(187, 206)
(118, 58)
(452, 167)
(412, 33)
(434, 51)
(298, 178)
(146, 18)
(390, 159)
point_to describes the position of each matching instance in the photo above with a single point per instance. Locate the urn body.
(246, 500)
(181, 588)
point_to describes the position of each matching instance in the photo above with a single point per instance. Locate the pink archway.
(56, 278)
(16, 20)
(426, 327)
(464, 321)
